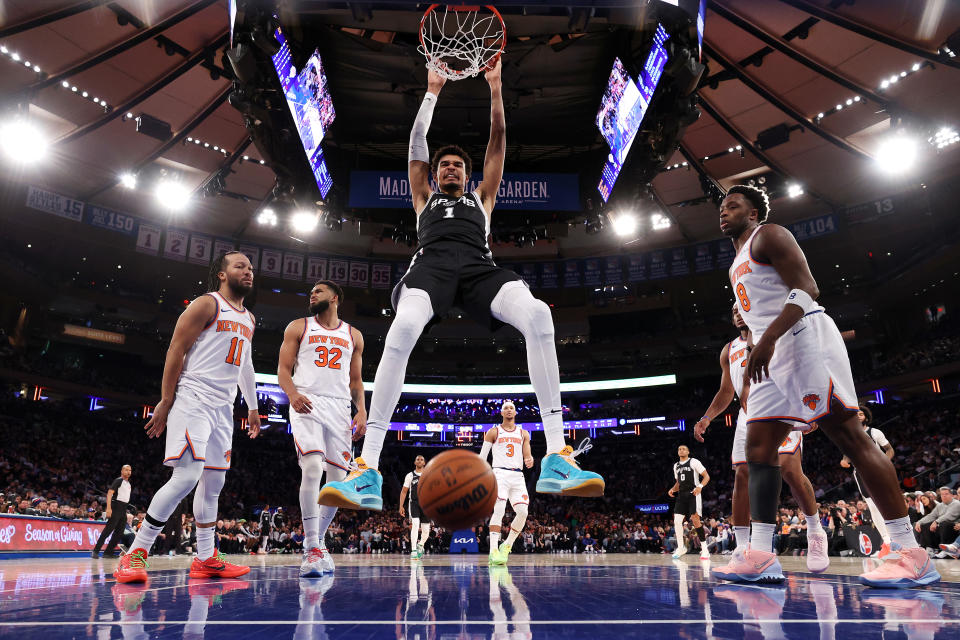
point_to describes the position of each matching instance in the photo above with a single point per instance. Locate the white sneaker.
(327, 562)
(704, 553)
(817, 560)
(312, 565)
(681, 551)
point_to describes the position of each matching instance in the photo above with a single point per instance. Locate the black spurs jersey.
(687, 474)
(460, 219)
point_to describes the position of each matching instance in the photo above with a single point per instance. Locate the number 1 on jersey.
(236, 351)
(448, 212)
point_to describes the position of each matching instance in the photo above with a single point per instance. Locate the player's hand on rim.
(758, 362)
(492, 74)
(253, 423)
(435, 81)
(158, 421)
(359, 425)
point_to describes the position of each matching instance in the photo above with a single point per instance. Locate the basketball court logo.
(866, 544)
(811, 400)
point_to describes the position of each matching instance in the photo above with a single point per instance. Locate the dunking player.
(733, 360)
(798, 349)
(453, 266)
(866, 417)
(510, 444)
(209, 356)
(691, 477)
(319, 370)
(419, 524)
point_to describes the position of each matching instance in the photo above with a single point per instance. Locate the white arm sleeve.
(248, 382)
(418, 134)
(485, 450)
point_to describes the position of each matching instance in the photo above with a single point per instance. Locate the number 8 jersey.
(323, 360)
(212, 365)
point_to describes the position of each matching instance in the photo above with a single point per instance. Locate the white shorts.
(325, 431)
(511, 486)
(809, 369)
(790, 446)
(200, 429)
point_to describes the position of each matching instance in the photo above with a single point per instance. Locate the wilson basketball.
(457, 489)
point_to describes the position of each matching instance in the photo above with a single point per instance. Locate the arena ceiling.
(770, 63)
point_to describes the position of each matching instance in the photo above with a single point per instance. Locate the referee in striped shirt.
(118, 497)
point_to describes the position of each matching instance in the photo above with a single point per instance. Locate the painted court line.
(739, 621)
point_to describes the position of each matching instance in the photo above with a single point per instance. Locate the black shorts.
(455, 274)
(687, 505)
(417, 512)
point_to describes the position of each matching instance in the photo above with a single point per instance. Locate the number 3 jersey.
(212, 365)
(323, 360)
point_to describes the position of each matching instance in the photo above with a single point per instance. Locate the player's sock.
(516, 306)
(182, 481)
(311, 475)
(205, 548)
(878, 521)
(761, 536)
(742, 535)
(494, 540)
(148, 532)
(813, 522)
(414, 311)
(327, 514)
(901, 532)
(512, 537)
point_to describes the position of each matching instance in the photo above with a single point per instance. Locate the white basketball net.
(461, 42)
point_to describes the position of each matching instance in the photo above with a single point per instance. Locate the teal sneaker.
(361, 489)
(560, 474)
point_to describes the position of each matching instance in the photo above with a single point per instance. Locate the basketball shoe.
(132, 567)
(312, 565)
(817, 560)
(361, 489)
(884, 551)
(902, 568)
(679, 552)
(216, 567)
(752, 566)
(496, 558)
(559, 473)
(328, 564)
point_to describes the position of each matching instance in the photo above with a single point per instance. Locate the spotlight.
(65, 84)
(171, 194)
(897, 153)
(625, 224)
(23, 142)
(794, 190)
(304, 221)
(659, 222)
(267, 217)
(128, 180)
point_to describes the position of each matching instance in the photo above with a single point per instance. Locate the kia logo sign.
(463, 540)
(866, 545)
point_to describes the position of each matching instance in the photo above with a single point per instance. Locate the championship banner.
(679, 265)
(338, 271)
(32, 533)
(55, 203)
(613, 270)
(109, 219)
(518, 191)
(658, 265)
(724, 253)
(528, 271)
(271, 262)
(359, 273)
(148, 239)
(703, 258)
(293, 266)
(220, 247)
(253, 253)
(175, 245)
(380, 275)
(814, 227)
(316, 269)
(549, 275)
(571, 274)
(863, 541)
(637, 270)
(201, 250)
(591, 272)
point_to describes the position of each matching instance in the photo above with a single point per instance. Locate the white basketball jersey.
(212, 365)
(508, 449)
(760, 291)
(738, 360)
(323, 360)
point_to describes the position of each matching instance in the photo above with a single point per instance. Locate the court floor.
(459, 597)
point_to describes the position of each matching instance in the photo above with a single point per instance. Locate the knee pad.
(311, 470)
(499, 509)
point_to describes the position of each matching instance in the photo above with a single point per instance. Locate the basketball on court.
(457, 489)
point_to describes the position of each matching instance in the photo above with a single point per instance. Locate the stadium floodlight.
(659, 222)
(267, 217)
(897, 154)
(171, 194)
(625, 224)
(128, 180)
(22, 142)
(304, 221)
(794, 190)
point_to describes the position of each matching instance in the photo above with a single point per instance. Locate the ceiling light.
(849, 101)
(625, 224)
(74, 89)
(884, 84)
(15, 56)
(794, 190)
(128, 180)
(129, 116)
(659, 222)
(897, 153)
(267, 217)
(820, 116)
(65, 84)
(85, 94)
(915, 67)
(36, 68)
(171, 194)
(838, 107)
(23, 142)
(304, 221)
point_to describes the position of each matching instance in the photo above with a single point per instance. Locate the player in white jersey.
(208, 357)
(866, 417)
(510, 444)
(799, 349)
(319, 369)
(419, 523)
(733, 359)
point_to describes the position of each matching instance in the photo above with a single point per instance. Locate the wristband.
(802, 299)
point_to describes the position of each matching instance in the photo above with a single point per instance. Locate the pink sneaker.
(817, 560)
(902, 568)
(752, 566)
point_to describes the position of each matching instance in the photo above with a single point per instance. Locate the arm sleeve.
(408, 481)
(485, 450)
(418, 134)
(248, 382)
(880, 439)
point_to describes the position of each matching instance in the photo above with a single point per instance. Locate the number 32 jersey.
(323, 360)
(212, 365)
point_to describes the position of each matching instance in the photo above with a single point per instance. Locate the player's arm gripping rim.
(777, 246)
(359, 425)
(418, 169)
(527, 453)
(190, 325)
(288, 361)
(721, 400)
(496, 145)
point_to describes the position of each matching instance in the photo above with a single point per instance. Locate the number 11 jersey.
(323, 360)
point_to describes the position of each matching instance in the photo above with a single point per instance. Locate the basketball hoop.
(461, 40)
